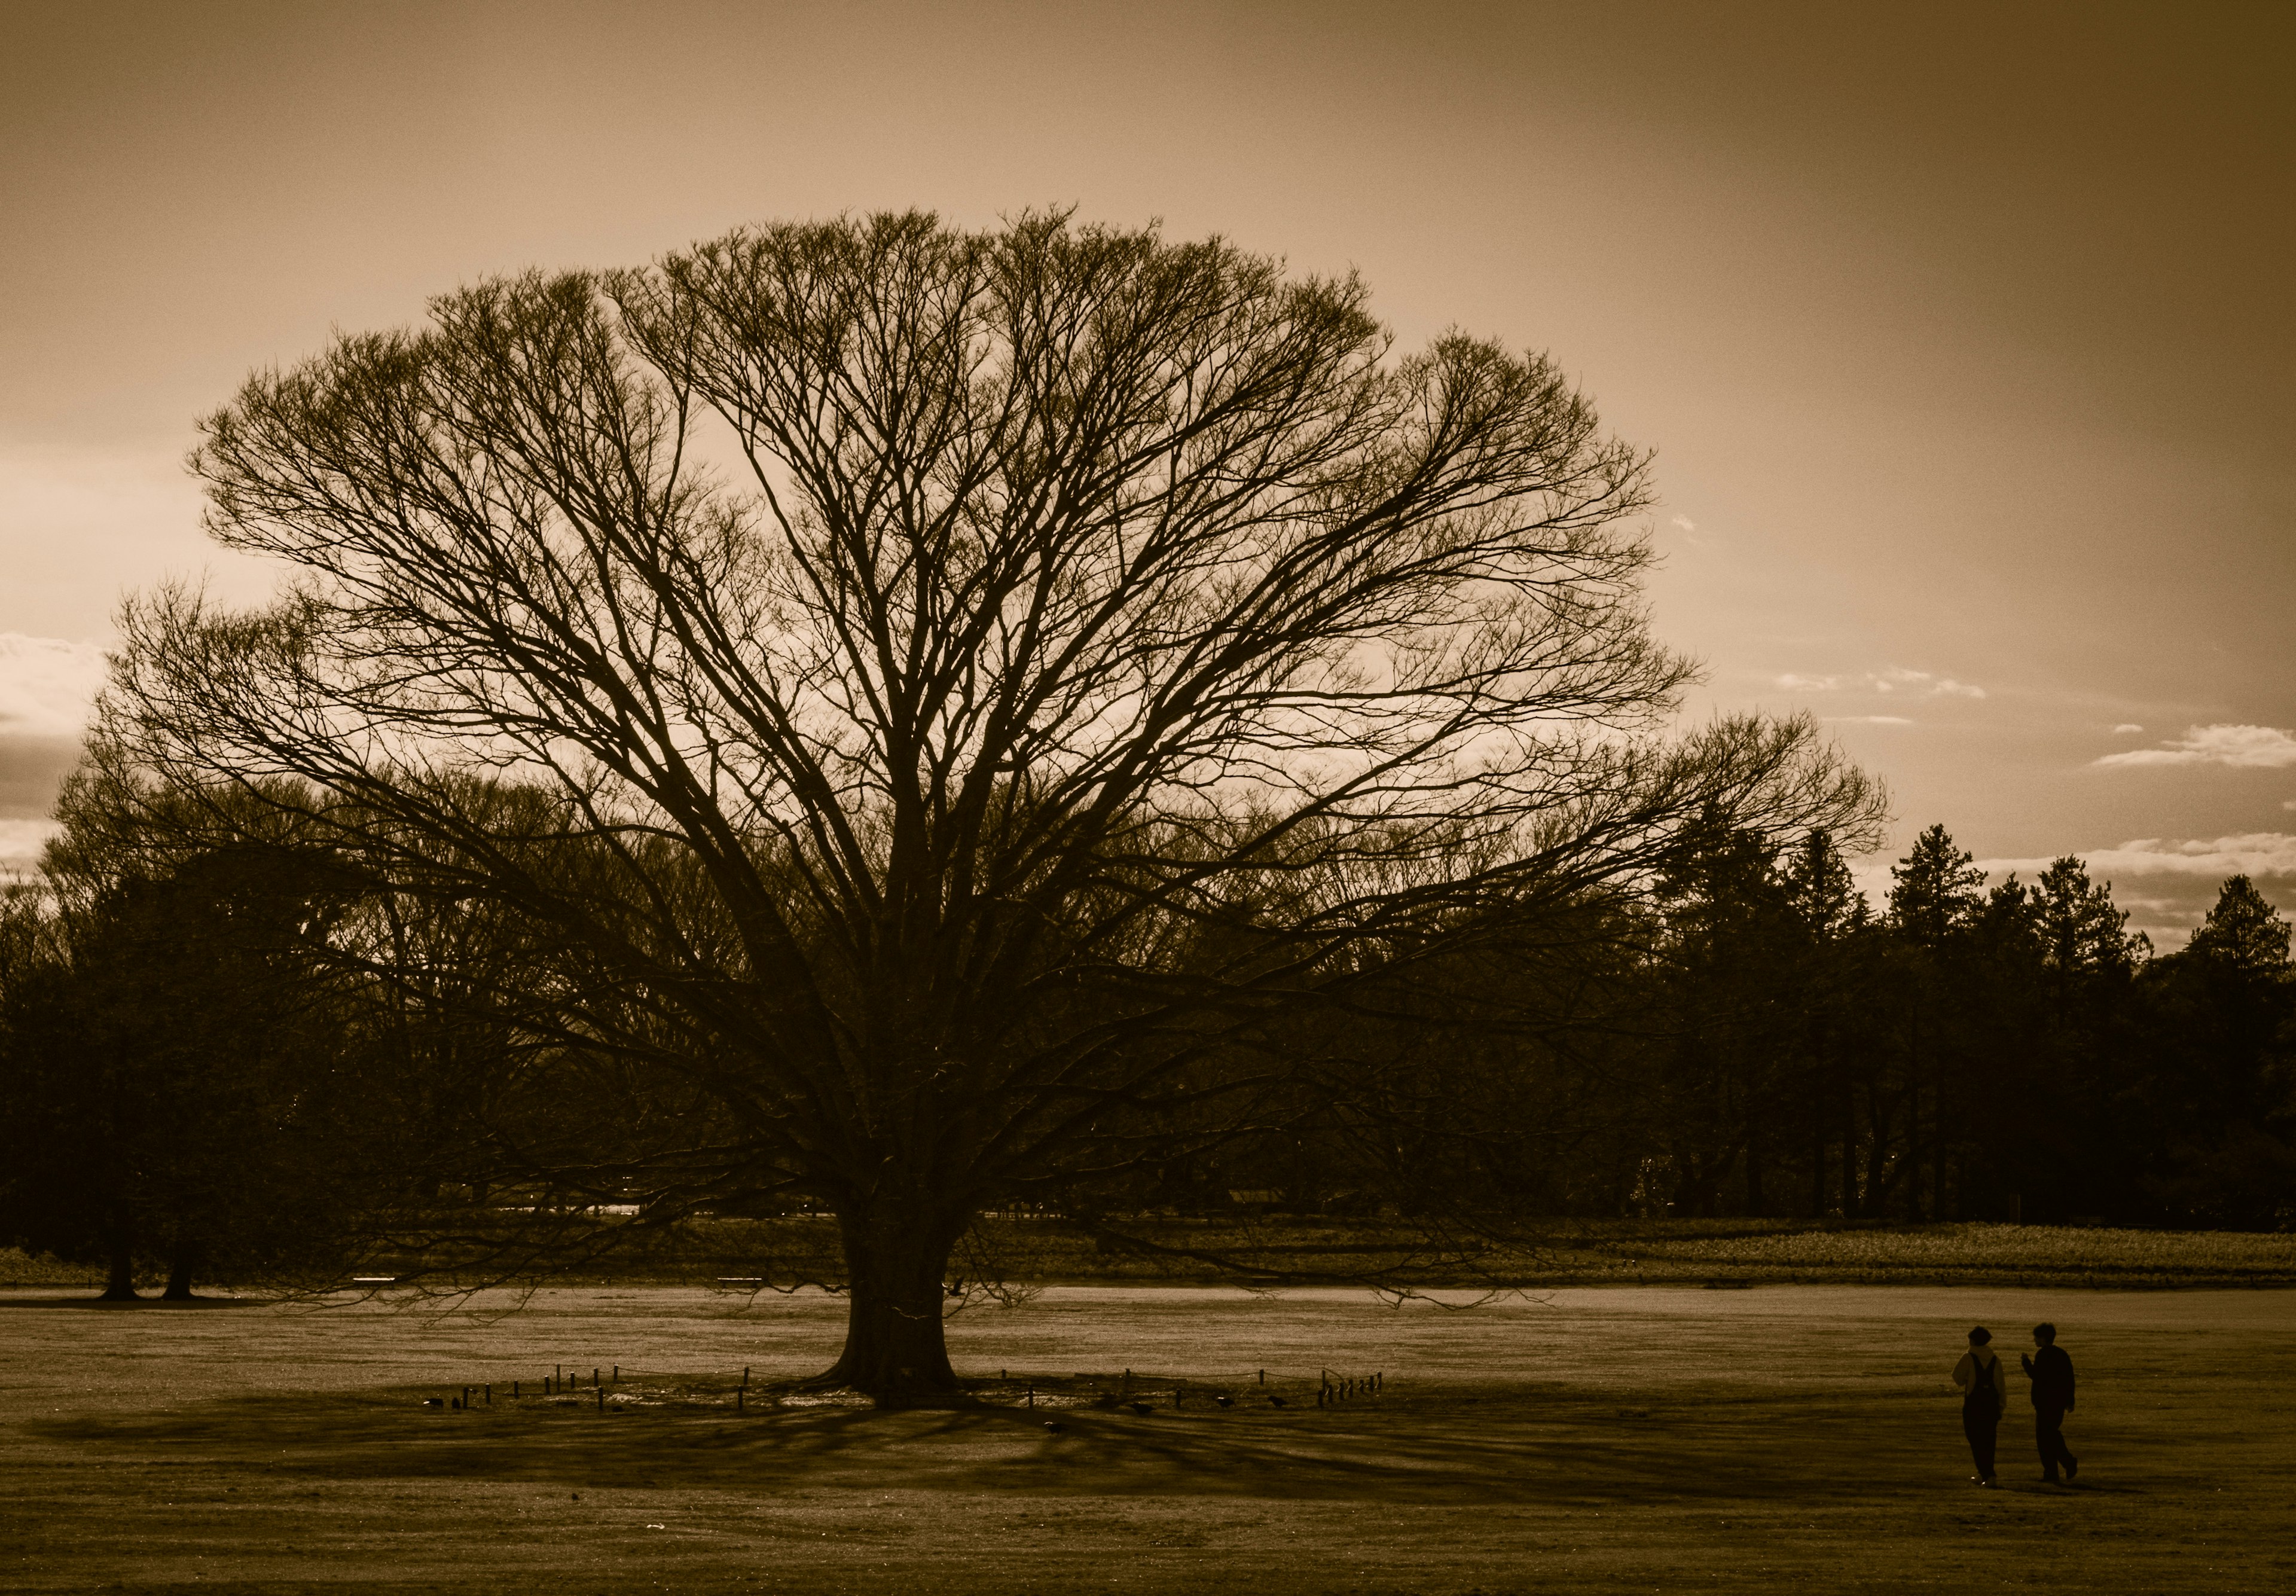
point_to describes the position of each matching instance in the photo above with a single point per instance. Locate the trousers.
(2049, 1434)
(1983, 1426)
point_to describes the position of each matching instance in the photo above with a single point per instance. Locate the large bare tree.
(982, 675)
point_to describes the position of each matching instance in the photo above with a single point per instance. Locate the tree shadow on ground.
(141, 1304)
(1512, 1447)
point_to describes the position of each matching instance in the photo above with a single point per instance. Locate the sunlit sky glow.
(1963, 333)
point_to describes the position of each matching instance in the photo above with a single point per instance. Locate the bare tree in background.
(1084, 646)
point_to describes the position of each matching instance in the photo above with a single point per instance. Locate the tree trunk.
(1938, 1145)
(897, 1267)
(179, 1277)
(1913, 1209)
(1915, 1054)
(1849, 1152)
(1885, 1157)
(1818, 1163)
(120, 1288)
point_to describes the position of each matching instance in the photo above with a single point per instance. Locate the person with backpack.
(2052, 1374)
(1984, 1394)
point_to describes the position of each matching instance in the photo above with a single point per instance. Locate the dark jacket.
(2052, 1374)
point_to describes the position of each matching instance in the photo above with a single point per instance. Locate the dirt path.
(1592, 1440)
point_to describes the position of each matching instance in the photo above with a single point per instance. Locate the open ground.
(1591, 1439)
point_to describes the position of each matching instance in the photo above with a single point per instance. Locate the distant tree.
(1986, 1002)
(2084, 935)
(1935, 890)
(1092, 650)
(173, 1062)
(1819, 886)
(2049, 1010)
(2242, 933)
(1936, 895)
(1721, 1000)
(58, 1142)
(1836, 1038)
(2221, 1102)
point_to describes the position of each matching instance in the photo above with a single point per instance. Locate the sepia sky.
(1963, 333)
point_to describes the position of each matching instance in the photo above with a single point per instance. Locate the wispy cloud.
(46, 684)
(2250, 747)
(1897, 678)
(1685, 524)
(1871, 720)
(2126, 728)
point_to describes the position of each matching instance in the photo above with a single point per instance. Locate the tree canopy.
(947, 695)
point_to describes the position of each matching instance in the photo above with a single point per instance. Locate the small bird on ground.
(1141, 1408)
(1053, 1427)
(1224, 1401)
(1277, 1402)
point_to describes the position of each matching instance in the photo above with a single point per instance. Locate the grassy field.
(1587, 1440)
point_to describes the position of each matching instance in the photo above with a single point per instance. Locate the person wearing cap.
(1984, 1394)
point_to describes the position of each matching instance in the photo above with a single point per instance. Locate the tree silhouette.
(1935, 889)
(173, 1062)
(2243, 932)
(2224, 1078)
(971, 683)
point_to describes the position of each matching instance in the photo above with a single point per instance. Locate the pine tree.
(1937, 889)
(2082, 932)
(2243, 932)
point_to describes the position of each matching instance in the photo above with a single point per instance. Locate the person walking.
(2052, 1374)
(1984, 1394)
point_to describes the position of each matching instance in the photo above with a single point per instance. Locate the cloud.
(1896, 678)
(20, 841)
(2169, 886)
(1870, 719)
(1922, 681)
(46, 684)
(2245, 853)
(31, 770)
(2125, 728)
(1685, 524)
(2247, 747)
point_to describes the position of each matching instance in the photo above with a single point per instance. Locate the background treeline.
(1762, 1041)
(232, 1053)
